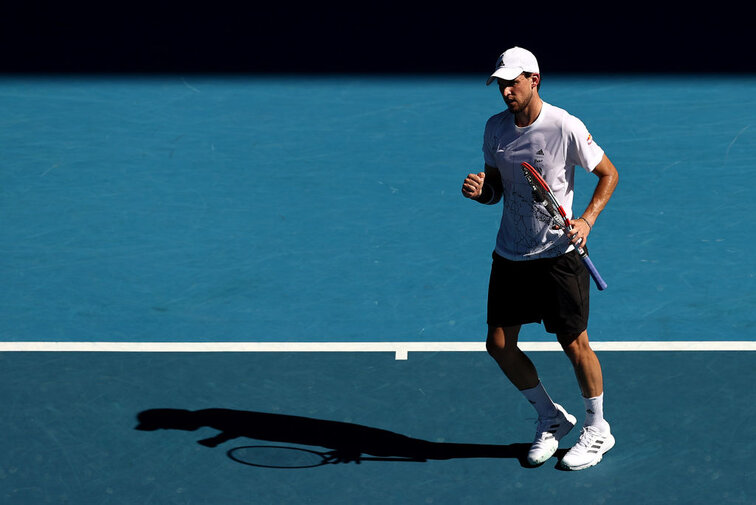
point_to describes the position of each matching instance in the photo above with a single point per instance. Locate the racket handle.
(600, 284)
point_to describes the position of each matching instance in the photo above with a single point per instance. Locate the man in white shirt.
(536, 274)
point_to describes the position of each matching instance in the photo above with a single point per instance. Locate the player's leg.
(510, 293)
(595, 437)
(566, 315)
(553, 421)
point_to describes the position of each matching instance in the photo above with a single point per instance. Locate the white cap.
(512, 63)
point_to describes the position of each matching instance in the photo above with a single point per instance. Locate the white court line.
(400, 349)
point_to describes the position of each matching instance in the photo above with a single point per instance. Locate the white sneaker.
(589, 449)
(550, 430)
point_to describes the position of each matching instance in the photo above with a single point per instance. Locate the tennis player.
(536, 273)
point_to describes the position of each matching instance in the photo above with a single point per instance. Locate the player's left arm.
(608, 179)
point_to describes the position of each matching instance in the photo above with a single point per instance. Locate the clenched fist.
(473, 185)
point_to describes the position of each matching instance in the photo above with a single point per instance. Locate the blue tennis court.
(215, 210)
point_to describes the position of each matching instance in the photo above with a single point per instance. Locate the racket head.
(278, 456)
(543, 193)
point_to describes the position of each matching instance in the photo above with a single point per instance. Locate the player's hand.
(579, 232)
(473, 185)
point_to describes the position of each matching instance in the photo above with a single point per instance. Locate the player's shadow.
(346, 440)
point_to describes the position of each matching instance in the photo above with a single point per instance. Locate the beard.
(517, 105)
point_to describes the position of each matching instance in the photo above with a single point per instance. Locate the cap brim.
(506, 73)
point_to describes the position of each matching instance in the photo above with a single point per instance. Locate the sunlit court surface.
(265, 289)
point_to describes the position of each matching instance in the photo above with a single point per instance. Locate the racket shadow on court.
(343, 442)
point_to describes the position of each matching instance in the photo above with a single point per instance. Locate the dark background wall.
(374, 37)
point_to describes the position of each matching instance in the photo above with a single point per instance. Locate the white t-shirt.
(554, 144)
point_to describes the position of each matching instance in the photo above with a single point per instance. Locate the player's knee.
(500, 347)
(493, 348)
(576, 347)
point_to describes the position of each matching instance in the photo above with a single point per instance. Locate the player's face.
(518, 92)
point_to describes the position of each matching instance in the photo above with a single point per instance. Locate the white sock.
(540, 400)
(594, 410)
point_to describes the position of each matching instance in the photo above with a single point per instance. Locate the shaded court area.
(70, 429)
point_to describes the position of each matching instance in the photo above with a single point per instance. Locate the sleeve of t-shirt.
(582, 150)
(488, 142)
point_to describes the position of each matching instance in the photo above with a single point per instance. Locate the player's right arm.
(484, 187)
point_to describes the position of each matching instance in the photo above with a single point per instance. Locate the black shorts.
(554, 291)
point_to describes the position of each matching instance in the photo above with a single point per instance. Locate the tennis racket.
(542, 194)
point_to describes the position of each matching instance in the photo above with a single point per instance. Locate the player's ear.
(536, 80)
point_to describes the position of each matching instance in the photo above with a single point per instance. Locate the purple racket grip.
(594, 273)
